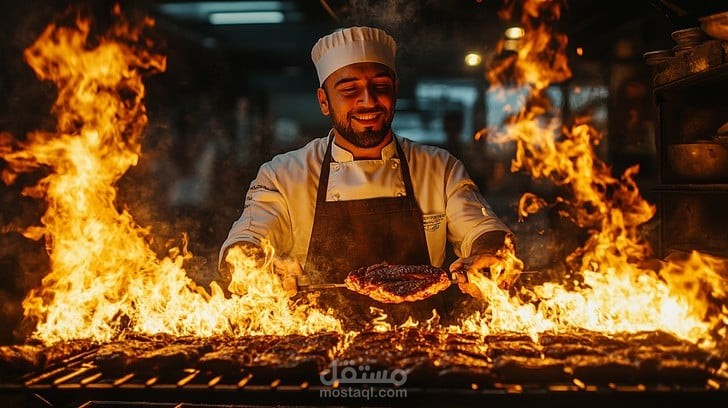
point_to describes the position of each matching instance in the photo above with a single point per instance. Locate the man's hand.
(464, 269)
(290, 272)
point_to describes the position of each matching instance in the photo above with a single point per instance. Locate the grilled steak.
(61, 350)
(170, 357)
(511, 344)
(397, 283)
(292, 358)
(302, 358)
(231, 355)
(118, 357)
(21, 358)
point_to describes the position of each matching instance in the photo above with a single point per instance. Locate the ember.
(427, 357)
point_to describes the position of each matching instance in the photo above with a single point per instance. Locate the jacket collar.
(341, 155)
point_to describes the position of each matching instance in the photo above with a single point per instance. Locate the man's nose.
(368, 97)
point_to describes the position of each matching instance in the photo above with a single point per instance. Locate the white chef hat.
(352, 45)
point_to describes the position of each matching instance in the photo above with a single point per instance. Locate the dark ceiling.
(432, 35)
(439, 27)
(433, 30)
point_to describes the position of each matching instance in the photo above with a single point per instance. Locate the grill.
(441, 369)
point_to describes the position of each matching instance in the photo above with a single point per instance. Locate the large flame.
(104, 277)
(612, 291)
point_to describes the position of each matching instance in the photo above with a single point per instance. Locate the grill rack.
(77, 381)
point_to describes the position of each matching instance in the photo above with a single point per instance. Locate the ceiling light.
(246, 17)
(473, 59)
(205, 7)
(514, 33)
(201, 11)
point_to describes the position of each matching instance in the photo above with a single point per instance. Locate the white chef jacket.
(281, 200)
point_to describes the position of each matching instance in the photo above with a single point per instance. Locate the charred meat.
(388, 283)
(21, 358)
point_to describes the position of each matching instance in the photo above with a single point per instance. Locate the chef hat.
(352, 45)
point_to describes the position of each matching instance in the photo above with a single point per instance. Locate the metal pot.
(699, 162)
(716, 25)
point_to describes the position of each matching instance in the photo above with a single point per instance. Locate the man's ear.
(323, 101)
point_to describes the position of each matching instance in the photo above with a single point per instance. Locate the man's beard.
(365, 138)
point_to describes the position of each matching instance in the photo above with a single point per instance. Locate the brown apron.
(348, 235)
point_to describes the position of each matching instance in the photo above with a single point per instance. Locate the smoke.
(188, 181)
(425, 31)
(389, 15)
(418, 27)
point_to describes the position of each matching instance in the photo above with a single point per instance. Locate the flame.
(540, 57)
(261, 306)
(104, 277)
(610, 292)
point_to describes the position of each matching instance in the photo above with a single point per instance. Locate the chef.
(362, 195)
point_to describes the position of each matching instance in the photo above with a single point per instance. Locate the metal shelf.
(718, 188)
(711, 77)
(705, 94)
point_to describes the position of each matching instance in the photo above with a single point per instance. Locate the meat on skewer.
(388, 283)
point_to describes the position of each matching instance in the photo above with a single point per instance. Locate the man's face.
(360, 98)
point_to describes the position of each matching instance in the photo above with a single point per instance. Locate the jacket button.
(394, 164)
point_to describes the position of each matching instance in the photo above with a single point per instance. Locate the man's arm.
(484, 254)
(476, 233)
(288, 270)
(265, 216)
(488, 243)
(470, 217)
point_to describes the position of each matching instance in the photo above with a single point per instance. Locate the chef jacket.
(281, 200)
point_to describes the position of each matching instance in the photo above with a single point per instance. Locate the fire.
(260, 306)
(105, 278)
(611, 291)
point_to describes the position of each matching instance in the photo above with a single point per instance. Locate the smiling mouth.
(367, 117)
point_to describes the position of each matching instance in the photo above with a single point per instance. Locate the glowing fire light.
(615, 294)
(104, 278)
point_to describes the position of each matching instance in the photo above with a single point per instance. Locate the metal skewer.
(319, 286)
(323, 286)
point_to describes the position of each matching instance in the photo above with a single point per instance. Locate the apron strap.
(324, 177)
(405, 170)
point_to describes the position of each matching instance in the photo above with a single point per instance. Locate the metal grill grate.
(442, 369)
